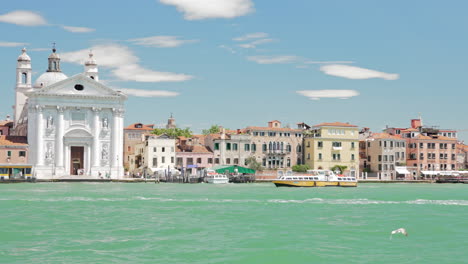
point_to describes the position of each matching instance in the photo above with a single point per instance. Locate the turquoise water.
(235, 223)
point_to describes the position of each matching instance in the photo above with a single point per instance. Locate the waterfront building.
(429, 149)
(13, 149)
(230, 148)
(462, 156)
(73, 124)
(382, 156)
(133, 134)
(330, 144)
(6, 126)
(156, 154)
(274, 146)
(192, 157)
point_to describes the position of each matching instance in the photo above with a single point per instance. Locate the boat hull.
(286, 183)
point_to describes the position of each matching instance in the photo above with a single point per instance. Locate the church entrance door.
(77, 160)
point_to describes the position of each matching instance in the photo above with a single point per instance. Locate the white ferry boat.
(315, 178)
(216, 178)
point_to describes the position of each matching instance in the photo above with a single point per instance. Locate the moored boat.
(316, 178)
(216, 178)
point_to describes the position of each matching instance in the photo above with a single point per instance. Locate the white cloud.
(12, 44)
(328, 62)
(251, 36)
(123, 64)
(255, 43)
(78, 29)
(227, 48)
(273, 59)
(317, 94)
(161, 41)
(148, 93)
(23, 18)
(352, 72)
(203, 9)
(135, 72)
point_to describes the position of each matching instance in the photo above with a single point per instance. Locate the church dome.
(24, 56)
(49, 78)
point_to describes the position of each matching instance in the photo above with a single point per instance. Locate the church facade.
(74, 125)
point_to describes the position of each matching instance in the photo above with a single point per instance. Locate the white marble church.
(74, 124)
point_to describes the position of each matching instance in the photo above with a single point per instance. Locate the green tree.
(340, 168)
(173, 132)
(253, 164)
(214, 129)
(301, 168)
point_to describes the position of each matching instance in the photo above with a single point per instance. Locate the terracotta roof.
(193, 149)
(13, 141)
(386, 135)
(410, 130)
(6, 123)
(335, 124)
(272, 129)
(434, 138)
(144, 127)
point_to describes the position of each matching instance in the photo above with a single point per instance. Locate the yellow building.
(330, 144)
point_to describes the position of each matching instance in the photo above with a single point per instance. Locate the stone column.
(40, 136)
(115, 137)
(59, 157)
(96, 128)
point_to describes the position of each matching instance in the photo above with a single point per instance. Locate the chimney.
(416, 123)
(8, 118)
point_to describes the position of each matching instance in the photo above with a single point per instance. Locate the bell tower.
(23, 83)
(91, 69)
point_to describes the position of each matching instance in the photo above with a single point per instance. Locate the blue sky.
(242, 63)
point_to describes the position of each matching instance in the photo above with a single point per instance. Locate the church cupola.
(91, 69)
(54, 61)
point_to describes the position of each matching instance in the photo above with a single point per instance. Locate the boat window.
(300, 178)
(353, 179)
(294, 178)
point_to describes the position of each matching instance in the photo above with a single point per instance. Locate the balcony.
(337, 148)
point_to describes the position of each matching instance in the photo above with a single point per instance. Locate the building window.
(352, 145)
(189, 161)
(129, 148)
(163, 159)
(380, 157)
(234, 146)
(163, 149)
(172, 159)
(236, 161)
(9, 153)
(155, 149)
(368, 158)
(336, 156)
(421, 156)
(216, 146)
(210, 160)
(352, 156)
(320, 156)
(336, 144)
(254, 147)
(380, 167)
(216, 160)
(199, 160)
(228, 146)
(264, 147)
(308, 144)
(308, 156)
(22, 153)
(246, 147)
(320, 144)
(299, 148)
(228, 161)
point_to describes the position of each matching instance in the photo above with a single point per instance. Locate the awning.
(402, 170)
(232, 169)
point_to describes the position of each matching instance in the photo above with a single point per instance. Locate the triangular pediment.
(78, 86)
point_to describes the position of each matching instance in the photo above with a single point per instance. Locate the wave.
(361, 201)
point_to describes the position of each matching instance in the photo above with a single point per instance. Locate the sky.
(240, 63)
